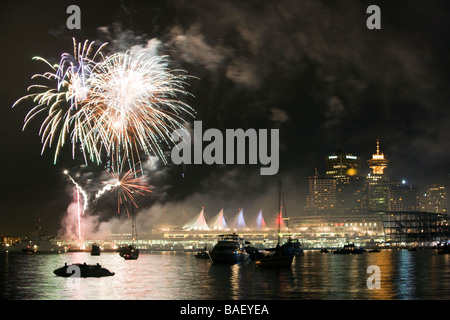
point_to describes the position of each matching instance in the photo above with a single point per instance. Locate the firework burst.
(134, 107)
(126, 186)
(123, 105)
(64, 99)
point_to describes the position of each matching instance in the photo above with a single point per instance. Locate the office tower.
(402, 197)
(436, 199)
(322, 193)
(351, 190)
(342, 166)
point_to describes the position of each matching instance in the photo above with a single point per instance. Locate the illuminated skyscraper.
(342, 166)
(378, 163)
(322, 193)
(376, 180)
(350, 188)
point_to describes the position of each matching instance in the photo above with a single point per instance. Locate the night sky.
(311, 69)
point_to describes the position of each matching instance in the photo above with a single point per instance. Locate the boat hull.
(85, 271)
(228, 256)
(275, 261)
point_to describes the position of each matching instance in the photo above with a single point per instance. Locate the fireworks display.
(124, 105)
(112, 108)
(126, 185)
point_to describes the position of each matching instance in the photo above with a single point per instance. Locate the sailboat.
(280, 256)
(131, 252)
(292, 245)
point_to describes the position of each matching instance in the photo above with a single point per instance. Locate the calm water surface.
(405, 275)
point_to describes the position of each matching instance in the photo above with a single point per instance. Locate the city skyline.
(310, 69)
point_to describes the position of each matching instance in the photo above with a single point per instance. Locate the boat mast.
(133, 224)
(280, 216)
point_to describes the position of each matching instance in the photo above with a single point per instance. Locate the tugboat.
(83, 270)
(349, 249)
(230, 248)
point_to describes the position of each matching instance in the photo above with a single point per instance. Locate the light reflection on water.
(179, 276)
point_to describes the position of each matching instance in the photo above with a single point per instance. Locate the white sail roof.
(218, 222)
(198, 223)
(238, 221)
(260, 224)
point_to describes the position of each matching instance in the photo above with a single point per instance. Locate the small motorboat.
(349, 249)
(83, 270)
(129, 253)
(95, 250)
(443, 248)
(324, 250)
(373, 250)
(202, 255)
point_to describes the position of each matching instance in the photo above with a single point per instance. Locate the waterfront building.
(406, 227)
(198, 222)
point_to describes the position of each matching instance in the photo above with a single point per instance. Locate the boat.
(412, 248)
(373, 250)
(324, 250)
(95, 250)
(83, 270)
(230, 248)
(349, 249)
(292, 246)
(202, 254)
(281, 255)
(443, 248)
(130, 252)
(277, 259)
(253, 252)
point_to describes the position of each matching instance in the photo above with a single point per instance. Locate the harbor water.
(403, 275)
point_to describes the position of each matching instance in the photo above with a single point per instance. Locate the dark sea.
(402, 275)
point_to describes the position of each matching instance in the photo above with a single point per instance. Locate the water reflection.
(177, 275)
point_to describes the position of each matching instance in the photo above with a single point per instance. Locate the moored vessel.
(83, 270)
(230, 248)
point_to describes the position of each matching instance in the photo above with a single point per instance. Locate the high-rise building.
(435, 199)
(402, 197)
(376, 181)
(322, 193)
(351, 192)
(342, 166)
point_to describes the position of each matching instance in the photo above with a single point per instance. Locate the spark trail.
(120, 106)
